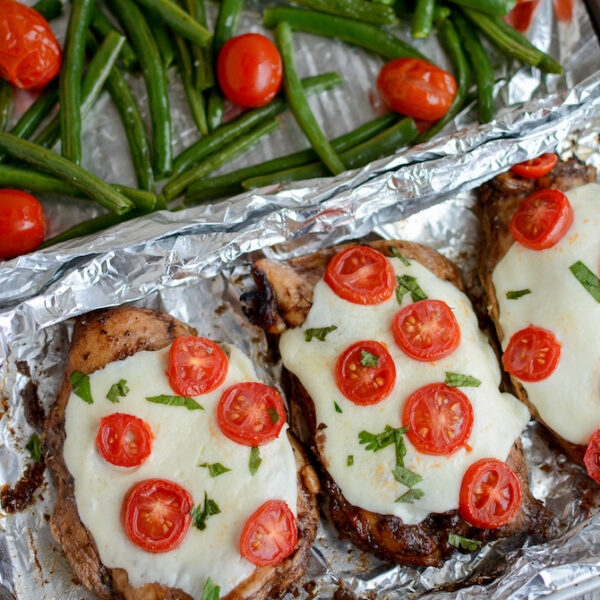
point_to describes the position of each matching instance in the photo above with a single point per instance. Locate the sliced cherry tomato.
(29, 53)
(269, 535)
(592, 456)
(365, 372)
(564, 10)
(21, 223)
(426, 330)
(196, 366)
(542, 220)
(361, 275)
(520, 16)
(249, 70)
(439, 419)
(251, 413)
(416, 88)
(124, 440)
(536, 167)
(490, 494)
(157, 515)
(532, 354)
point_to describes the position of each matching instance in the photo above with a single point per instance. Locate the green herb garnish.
(407, 477)
(408, 284)
(116, 390)
(458, 541)
(350, 460)
(367, 359)
(378, 441)
(273, 414)
(318, 332)
(211, 591)
(458, 380)
(397, 254)
(255, 460)
(215, 469)
(515, 295)
(411, 495)
(200, 515)
(81, 386)
(189, 403)
(34, 447)
(337, 407)
(587, 279)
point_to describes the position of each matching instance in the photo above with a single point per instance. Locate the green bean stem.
(422, 21)
(498, 8)
(102, 26)
(6, 95)
(162, 37)
(49, 9)
(361, 10)
(203, 60)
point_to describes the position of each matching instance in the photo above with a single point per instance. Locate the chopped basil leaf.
(318, 332)
(515, 295)
(462, 542)
(81, 386)
(34, 447)
(189, 403)
(211, 591)
(407, 477)
(458, 380)
(367, 359)
(200, 515)
(397, 254)
(350, 460)
(400, 445)
(337, 407)
(587, 279)
(255, 460)
(410, 496)
(408, 284)
(116, 390)
(377, 441)
(215, 469)
(273, 414)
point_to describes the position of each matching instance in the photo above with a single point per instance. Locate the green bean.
(176, 186)
(155, 78)
(230, 183)
(360, 34)
(203, 61)
(102, 25)
(245, 122)
(380, 146)
(162, 36)
(69, 82)
(6, 95)
(361, 10)
(179, 21)
(216, 109)
(422, 21)
(298, 103)
(498, 8)
(227, 22)
(49, 9)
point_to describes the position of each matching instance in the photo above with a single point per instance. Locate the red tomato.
(269, 535)
(564, 10)
(21, 223)
(520, 16)
(196, 366)
(365, 384)
(416, 88)
(542, 220)
(490, 494)
(439, 419)
(157, 516)
(426, 330)
(124, 440)
(592, 456)
(361, 275)
(536, 167)
(532, 354)
(251, 413)
(249, 70)
(29, 53)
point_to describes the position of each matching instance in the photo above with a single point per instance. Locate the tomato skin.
(375, 383)
(361, 275)
(592, 456)
(526, 349)
(415, 88)
(564, 10)
(249, 70)
(22, 224)
(536, 167)
(439, 419)
(196, 366)
(29, 53)
(156, 514)
(490, 494)
(520, 16)
(426, 330)
(542, 220)
(273, 519)
(124, 440)
(243, 413)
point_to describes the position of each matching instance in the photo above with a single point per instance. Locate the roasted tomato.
(532, 354)
(520, 16)
(21, 223)
(124, 440)
(592, 456)
(361, 275)
(269, 535)
(416, 88)
(536, 167)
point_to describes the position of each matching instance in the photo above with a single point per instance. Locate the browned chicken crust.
(104, 337)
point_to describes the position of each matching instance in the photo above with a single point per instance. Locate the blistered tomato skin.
(30, 56)
(22, 224)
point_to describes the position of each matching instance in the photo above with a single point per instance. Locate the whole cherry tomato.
(536, 167)
(21, 223)
(416, 88)
(29, 53)
(249, 70)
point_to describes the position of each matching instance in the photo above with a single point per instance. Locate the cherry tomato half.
(536, 167)
(592, 456)
(29, 53)
(416, 88)
(426, 330)
(157, 516)
(249, 70)
(520, 16)
(251, 413)
(490, 494)
(542, 220)
(269, 535)
(564, 10)
(124, 440)
(439, 419)
(196, 366)
(361, 275)
(21, 223)
(532, 354)
(365, 372)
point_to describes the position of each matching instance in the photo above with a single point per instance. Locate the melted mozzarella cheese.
(498, 418)
(569, 399)
(183, 440)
